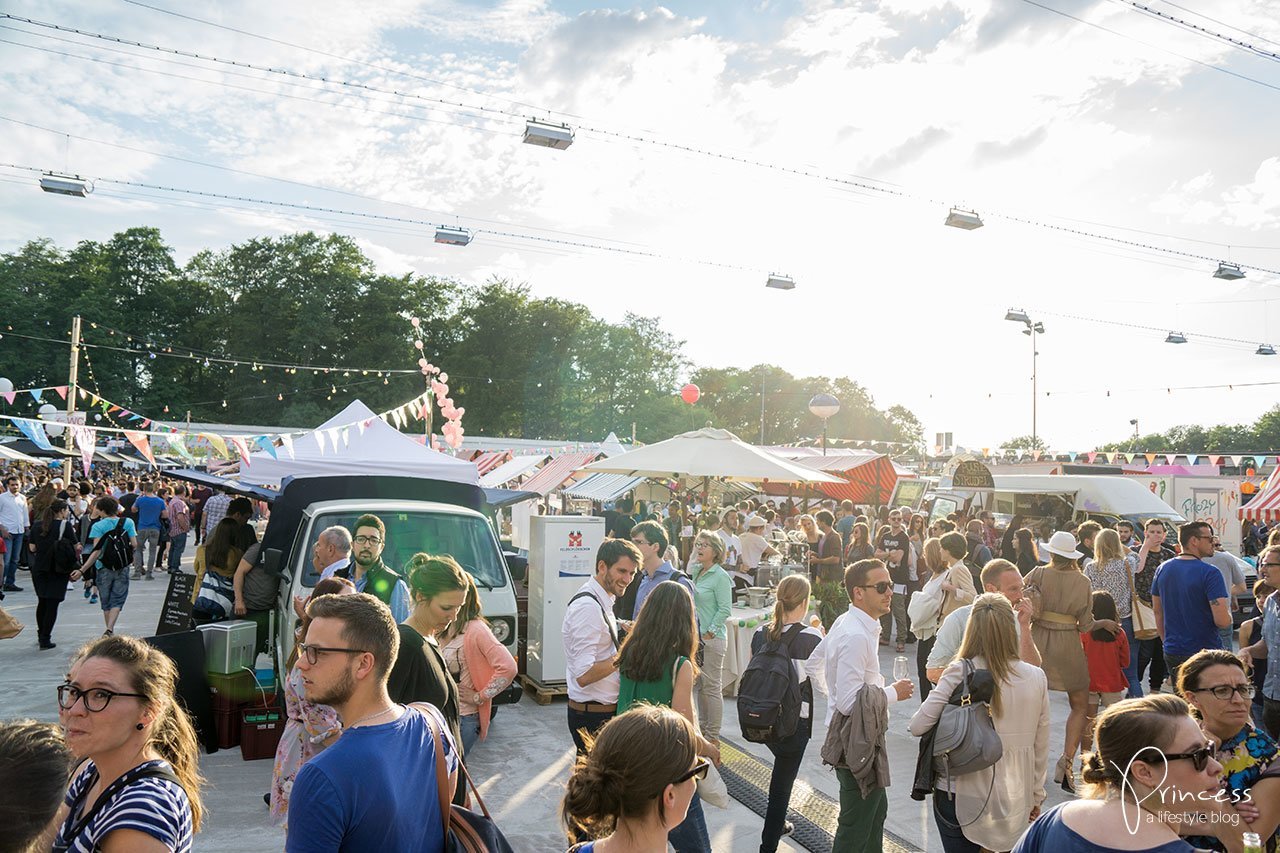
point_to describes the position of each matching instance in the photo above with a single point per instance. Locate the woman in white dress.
(991, 808)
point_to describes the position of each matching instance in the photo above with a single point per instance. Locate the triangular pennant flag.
(9, 396)
(62, 391)
(333, 438)
(135, 417)
(113, 408)
(360, 425)
(265, 443)
(84, 440)
(1151, 458)
(1191, 458)
(33, 431)
(217, 443)
(1072, 456)
(241, 447)
(398, 417)
(83, 393)
(286, 441)
(36, 394)
(146, 423)
(1237, 460)
(1091, 455)
(140, 441)
(346, 436)
(319, 437)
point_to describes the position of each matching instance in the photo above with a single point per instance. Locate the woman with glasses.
(1215, 684)
(636, 783)
(139, 789)
(310, 727)
(1152, 761)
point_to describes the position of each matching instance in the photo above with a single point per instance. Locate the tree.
(1025, 442)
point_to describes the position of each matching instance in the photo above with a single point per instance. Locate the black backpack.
(117, 550)
(769, 692)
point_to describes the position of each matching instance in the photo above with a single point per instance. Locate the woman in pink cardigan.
(480, 665)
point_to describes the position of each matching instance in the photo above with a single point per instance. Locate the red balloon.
(690, 393)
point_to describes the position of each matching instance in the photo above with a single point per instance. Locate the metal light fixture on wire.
(52, 182)
(1176, 338)
(548, 134)
(967, 220)
(778, 281)
(1265, 349)
(453, 236)
(1228, 272)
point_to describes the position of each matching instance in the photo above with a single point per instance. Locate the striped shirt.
(150, 805)
(215, 509)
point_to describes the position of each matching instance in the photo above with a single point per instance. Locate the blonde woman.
(930, 606)
(1111, 570)
(713, 597)
(991, 808)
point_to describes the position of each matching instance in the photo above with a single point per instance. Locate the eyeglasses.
(881, 588)
(1224, 691)
(1199, 758)
(639, 541)
(367, 540)
(312, 653)
(95, 699)
(699, 771)
(1271, 565)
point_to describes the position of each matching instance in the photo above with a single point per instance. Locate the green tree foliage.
(520, 365)
(1263, 435)
(1025, 442)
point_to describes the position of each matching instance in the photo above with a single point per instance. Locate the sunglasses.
(699, 771)
(881, 588)
(1199, 757)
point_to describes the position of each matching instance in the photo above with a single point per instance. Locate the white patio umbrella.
(708, 453)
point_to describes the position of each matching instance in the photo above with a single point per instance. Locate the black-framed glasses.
(95, 698)
(1272, 565)
(1225, 691)
(699, 771)
(1199, 757)
(313, 653)
(881, 588)
(367, 540)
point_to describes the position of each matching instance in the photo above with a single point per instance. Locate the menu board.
(175, 613)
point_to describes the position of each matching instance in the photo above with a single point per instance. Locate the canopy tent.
(869, 477)
(557, 472)
(1265, 505)
(602, 487)
(488, 460)
(712, 454)
(9, 454)
(376, 449)
(512, 469)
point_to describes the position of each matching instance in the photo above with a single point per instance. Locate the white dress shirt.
(328, 570)
(588, 639)
(13, 512)
(847, 658)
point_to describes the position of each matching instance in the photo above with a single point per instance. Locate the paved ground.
(521, 768)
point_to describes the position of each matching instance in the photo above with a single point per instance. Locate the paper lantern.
(6, 385)
(690, 393)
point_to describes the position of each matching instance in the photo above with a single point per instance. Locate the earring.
(139, 727)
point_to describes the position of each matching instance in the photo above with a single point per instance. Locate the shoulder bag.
(465, 831)
(1032, 591)
(965, 738)
(1144, 618)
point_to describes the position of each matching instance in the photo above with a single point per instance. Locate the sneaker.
(86, 592)
(135, 576)
(788, 827)
(9, 587)
(149, 576)
(47, 646)
(108, 633)
(93, 599)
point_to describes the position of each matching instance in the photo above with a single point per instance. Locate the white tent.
(356, 441)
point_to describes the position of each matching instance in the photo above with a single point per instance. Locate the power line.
(1221, 23)
(1199, 30)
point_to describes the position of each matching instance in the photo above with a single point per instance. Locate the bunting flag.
(9, 396)
(333, 438)
(265, 443)
(83, 393)
(242, 448)
(84, 440)
(360, 427)
(37, 394)
(1151, 458)
(1191, 458)
(33, 431)
(140, 441)
(286, 441)
(217, 442)
(319, 437)
(62, 391)
(178, 446)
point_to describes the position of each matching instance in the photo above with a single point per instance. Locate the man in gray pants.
(147, 512)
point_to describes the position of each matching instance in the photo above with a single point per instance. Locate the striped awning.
(486, 461)
(1265, 505)
(512, 469)
(557, 472)
(602, 487)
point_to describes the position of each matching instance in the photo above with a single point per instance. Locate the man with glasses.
(1268, 571)
(369, 573)
(375, 788)
(13, 527)
(843, 664)
(651, 539)
(893, 548)
(1189, 598)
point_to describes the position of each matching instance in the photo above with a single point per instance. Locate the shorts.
(113, 587)
(1104, 700)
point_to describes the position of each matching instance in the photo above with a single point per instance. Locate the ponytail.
(793, 590)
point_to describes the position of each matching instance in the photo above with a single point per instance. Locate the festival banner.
(34, 431)
(84, 438)
(139, 440)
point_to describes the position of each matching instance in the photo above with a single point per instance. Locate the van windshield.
(467, 539)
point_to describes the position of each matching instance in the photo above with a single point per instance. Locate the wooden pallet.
(541, 693)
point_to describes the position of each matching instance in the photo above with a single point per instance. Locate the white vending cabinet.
(562, 556)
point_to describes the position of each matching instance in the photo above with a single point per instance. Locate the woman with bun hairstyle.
(636, 782)
(1151, 766)
(139, 790)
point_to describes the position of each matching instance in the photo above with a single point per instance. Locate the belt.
(1056, 619)
(593, 707)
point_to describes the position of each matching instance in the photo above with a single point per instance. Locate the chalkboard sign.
(175, 613)
(971, 474)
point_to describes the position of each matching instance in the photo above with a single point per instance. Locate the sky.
(716, 143)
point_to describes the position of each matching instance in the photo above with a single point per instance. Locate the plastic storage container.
(233, 690)
(229, 646)
(260, 730)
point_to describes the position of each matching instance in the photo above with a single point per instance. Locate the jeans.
(787, 755)
(923, 649)
(691, 835)
(590, 721)
(177, 545)
(944, 815)
(861, 824)
(1130, 671)
(46, 616)
(145, 537)
(709, 689)
(1226, 635)
(469, 726)
(1151, 652)
(13, 542)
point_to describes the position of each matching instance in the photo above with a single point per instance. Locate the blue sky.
(1132, 131)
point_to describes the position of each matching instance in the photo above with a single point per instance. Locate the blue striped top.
(152, 805)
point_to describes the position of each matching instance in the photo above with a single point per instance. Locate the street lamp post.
(1017, 315)
(824, 406)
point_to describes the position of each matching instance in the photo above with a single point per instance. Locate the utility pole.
(762, 374)
(73, 379)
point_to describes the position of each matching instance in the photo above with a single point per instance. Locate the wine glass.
(901, 668)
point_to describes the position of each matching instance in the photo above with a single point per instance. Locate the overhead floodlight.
(1017, 315)
(966, 219)
(1228, 272)
(452, 236)
(1265, 349)
(778, 281)
(65, 184)
(1176, 338)
(548, 134)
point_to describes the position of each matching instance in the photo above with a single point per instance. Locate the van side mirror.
(519, 566)
(271, 561)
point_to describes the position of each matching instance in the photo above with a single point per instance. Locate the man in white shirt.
(842, 663)
(728, 532)
(590, 634)
(997, 576)
(755, 547)
(13, 527)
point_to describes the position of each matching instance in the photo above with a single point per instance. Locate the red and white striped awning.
(557, 472)
(1265, 505)
(486, 461)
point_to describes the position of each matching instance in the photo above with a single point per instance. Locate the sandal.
(901, 648)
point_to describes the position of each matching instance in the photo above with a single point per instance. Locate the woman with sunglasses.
(1151, 767)
(655, 666)
(139, 789)
(310, 727)
(630, 790)
(1215, 684)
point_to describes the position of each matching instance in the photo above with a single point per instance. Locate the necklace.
(368, 717)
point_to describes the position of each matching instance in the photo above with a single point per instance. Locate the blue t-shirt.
(1185, 588)
(374, 789)
(148, 508)
(1049, 832)
(105, 525)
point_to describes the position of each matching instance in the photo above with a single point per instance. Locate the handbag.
(10, 627)
(465, 831)
(965, 738)
(1031, 590)
(1144, 618)
(216, 596)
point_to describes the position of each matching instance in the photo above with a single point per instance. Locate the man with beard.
(368, 572)
(353, 795)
